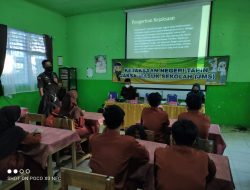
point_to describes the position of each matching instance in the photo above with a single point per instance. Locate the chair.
(205, 145)
(150, 135)
(137, 131)
(86, 181)
(9, 184)
(33, 118)
(65, 123)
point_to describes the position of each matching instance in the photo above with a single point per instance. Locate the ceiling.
(75, 7)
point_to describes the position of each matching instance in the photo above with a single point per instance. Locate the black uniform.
(128, 93)
(48, 81)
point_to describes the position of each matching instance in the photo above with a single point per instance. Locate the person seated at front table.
(12, 138)
(128, 92)
(114, 154)
(180, 166)
(194, 103)
(196, 89)
(154, 118)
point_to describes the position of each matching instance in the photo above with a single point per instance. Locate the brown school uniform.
(153, 119)
(200, 120)
(116, 155)
(182, 168)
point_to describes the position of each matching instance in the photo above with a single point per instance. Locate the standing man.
(47, 82)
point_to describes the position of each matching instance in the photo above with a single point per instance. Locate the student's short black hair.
(154, 99)
(113, 116)
(184, 132)
(194, 101)
(127, 80)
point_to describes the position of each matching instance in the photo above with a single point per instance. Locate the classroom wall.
(230, 35)
(90, 35)
(22, 15)
(103, 33)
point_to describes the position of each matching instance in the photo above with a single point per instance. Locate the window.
(24, 54)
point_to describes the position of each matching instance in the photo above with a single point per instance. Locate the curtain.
(24, 54)
(48, 47)
(3, 42)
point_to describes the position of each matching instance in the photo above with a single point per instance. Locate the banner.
(205, 71)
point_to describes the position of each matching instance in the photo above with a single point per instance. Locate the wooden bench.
(86, 181)
(9, 184)
(34, 118)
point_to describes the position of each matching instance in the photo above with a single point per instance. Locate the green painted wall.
(22, 15)
(230, 35)
(90, 35)
(104, 34)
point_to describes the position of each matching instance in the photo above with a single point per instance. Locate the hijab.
(68, 103)
(196, 89)
(10, 135)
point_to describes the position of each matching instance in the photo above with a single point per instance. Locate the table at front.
(52, 141)
(223, 177)
(133, 111)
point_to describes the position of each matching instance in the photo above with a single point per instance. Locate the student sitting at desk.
(70, 110)
(128, 92)
(180, 166)
(154, 118)
(114, 154)
(12, 138)
(194, 102)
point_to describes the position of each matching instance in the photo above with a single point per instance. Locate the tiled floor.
(238, 151)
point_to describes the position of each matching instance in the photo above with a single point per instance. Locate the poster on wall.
(205, 71)
(89, 73)
(100, 64)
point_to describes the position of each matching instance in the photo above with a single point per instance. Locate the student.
(180, 166)
(11, 139)
(202, 121)
(154, 118)
(114, 154)
(71, 110)
(128, 92)
(196, 89)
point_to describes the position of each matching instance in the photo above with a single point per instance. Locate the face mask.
(49, 69)
(196, 91)
(127, 85)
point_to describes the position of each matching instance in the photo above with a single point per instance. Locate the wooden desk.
(95, 117)
(52, 141)
(223, 177)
